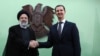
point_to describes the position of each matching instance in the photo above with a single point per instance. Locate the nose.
(24, 19)
(59, 11)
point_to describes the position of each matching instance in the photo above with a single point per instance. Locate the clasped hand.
(33, 44)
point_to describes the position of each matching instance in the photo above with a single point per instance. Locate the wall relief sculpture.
(40, 19)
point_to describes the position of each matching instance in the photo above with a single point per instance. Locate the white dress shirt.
(62, 25)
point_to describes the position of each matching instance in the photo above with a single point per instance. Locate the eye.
(57, 10)
(61, 10)
(26, 17)
(21, 17)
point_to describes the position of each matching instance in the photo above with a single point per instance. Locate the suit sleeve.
(76, 41)
(47, 44)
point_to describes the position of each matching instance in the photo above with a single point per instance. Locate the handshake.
(33, 44)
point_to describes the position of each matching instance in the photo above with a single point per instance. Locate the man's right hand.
(33, 44)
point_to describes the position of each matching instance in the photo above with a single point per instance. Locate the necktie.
(59, 28)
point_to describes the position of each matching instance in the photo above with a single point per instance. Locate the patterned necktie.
(59, 28)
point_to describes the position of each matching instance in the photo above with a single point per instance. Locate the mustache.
(23, 22)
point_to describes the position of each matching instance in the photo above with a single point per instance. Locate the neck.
(60, 19)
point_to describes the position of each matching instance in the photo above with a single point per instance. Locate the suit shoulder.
(54, 25)
(71, 23)
(13, 27)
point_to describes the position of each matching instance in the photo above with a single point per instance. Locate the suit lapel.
(64, 28)
(56, 29)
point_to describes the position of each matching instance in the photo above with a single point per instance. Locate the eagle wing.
(48, 16)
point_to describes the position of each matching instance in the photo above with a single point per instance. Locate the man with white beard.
(19, 42)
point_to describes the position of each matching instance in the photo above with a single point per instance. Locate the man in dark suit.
(20, 38)
(63, 36)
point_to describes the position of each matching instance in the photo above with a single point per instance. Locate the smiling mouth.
(59, 15)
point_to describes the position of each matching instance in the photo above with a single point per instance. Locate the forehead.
(59, 8)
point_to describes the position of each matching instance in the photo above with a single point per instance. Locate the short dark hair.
(22, 12)
(59, 6)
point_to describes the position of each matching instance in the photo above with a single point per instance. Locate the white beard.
(23, 24)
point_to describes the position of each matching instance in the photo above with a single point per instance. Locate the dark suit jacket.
(66, 45)
(16, 46)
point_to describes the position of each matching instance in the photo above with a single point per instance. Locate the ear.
(65, 12)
